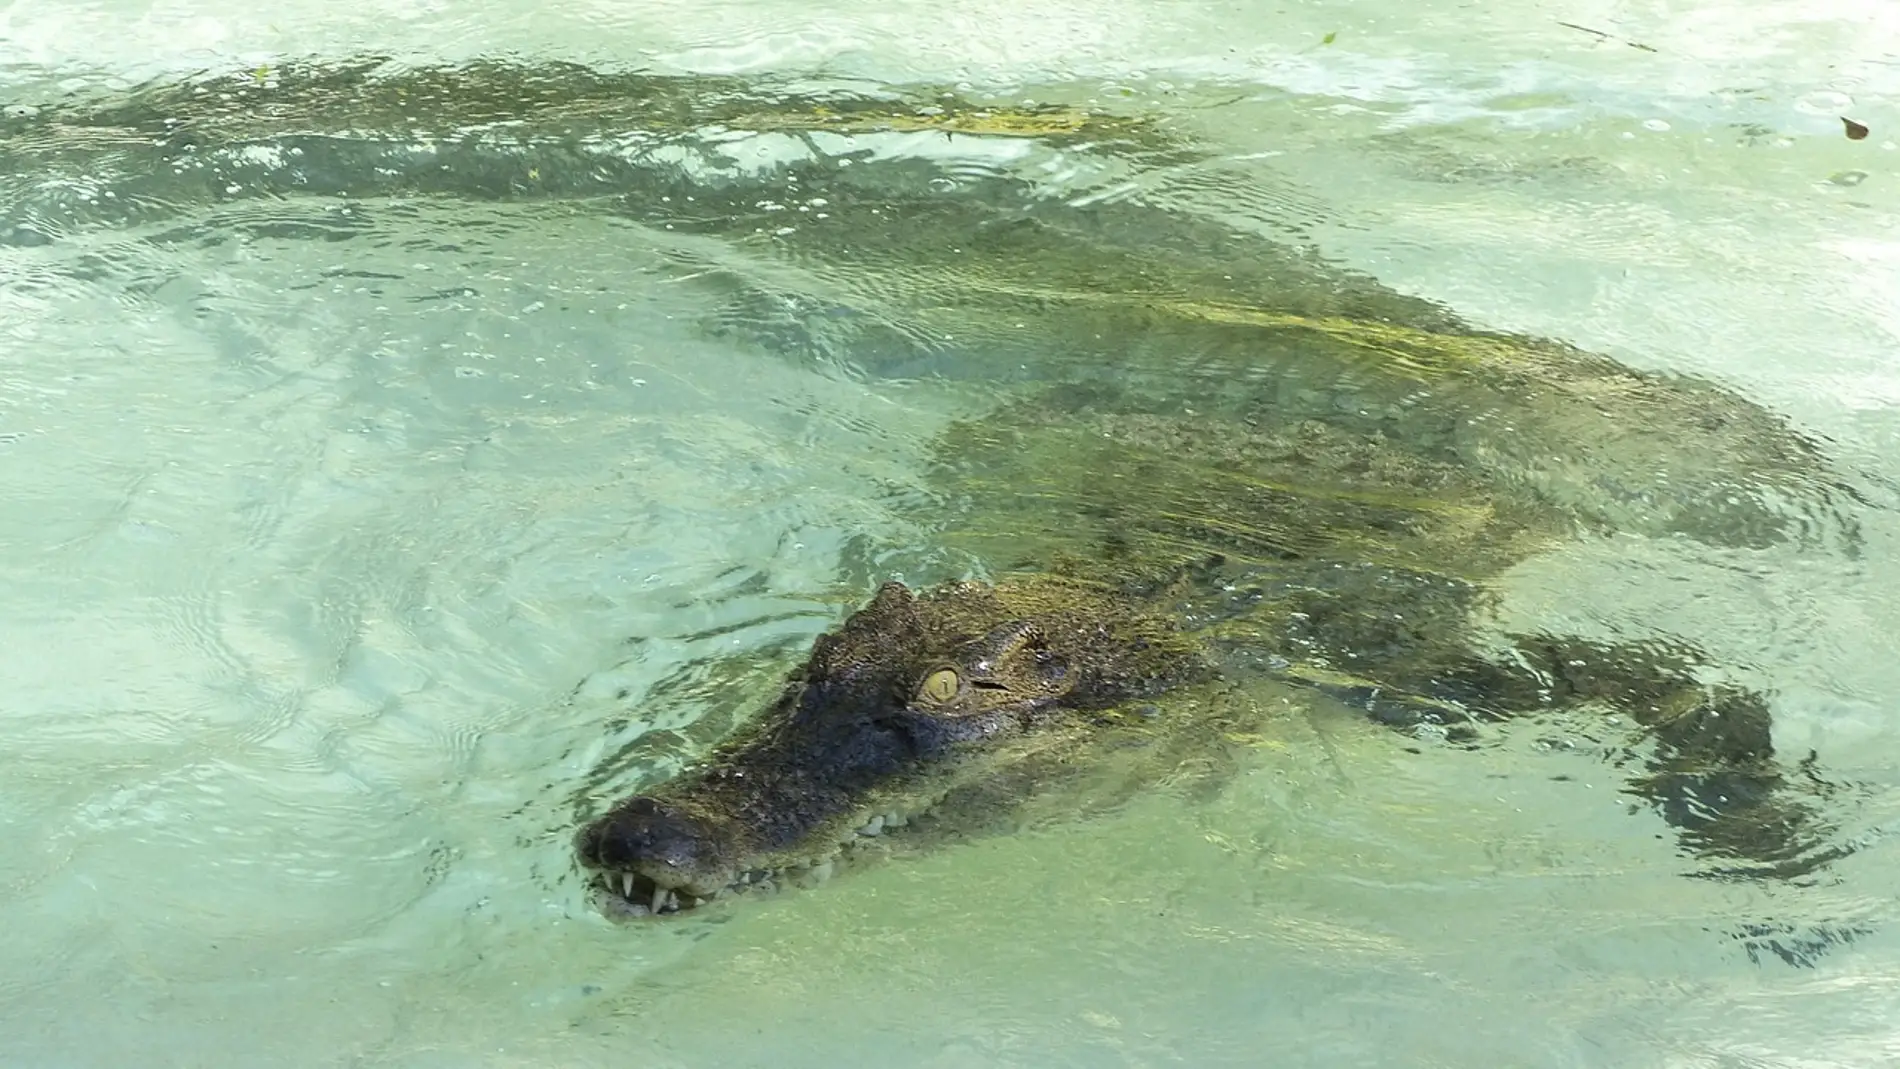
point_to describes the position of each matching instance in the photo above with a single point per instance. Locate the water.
(318, 515)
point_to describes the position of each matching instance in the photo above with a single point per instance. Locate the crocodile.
(1295, 476)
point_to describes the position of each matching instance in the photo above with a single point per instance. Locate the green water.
(335, 529)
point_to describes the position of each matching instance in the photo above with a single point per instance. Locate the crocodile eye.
(941, 685)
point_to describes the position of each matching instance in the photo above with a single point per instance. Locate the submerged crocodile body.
(1293, 475)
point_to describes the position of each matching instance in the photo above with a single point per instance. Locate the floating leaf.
(1855, 131)
(1329, 38)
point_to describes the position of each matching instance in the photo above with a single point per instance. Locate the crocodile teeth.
(626, 885)
(659, 899)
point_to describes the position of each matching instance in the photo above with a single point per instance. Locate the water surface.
(337, 528)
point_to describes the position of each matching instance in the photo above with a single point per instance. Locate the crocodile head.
(914, 699)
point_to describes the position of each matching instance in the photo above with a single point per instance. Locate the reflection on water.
(392, 480)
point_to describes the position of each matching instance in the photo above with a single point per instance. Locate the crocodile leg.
(1394, 644)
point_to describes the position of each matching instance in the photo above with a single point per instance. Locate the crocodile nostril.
(587, 845)
(643, 831)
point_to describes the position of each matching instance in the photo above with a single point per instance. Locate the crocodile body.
(1211, 455)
